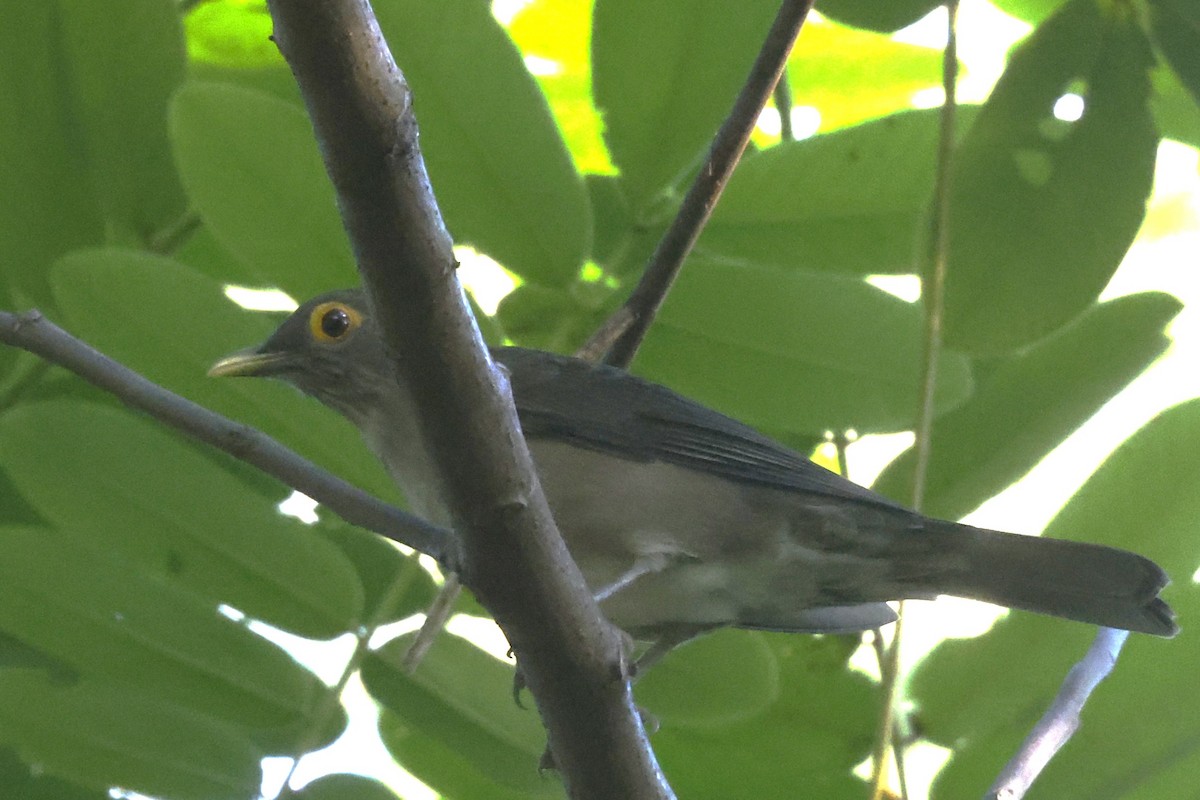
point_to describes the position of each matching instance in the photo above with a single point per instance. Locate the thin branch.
(889, 671)
(436, 617)
(933, 294)
(841, 443)
(602, 340)
(514, 560)
(1061, 720)
(933, 284)
(332, 701)
(174, 236)
(643, 304)
(33, 332)
(783, 104)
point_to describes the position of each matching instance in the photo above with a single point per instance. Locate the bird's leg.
(518, 682)
(644, 565)
(664, 644)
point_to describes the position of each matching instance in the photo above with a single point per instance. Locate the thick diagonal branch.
(513, 558)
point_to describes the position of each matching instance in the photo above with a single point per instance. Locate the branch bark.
(33, 332)
(572, 659)
(1061, 720)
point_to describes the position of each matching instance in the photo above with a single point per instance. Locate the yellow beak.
(248, 363)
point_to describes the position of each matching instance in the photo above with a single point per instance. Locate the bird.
(684, 520)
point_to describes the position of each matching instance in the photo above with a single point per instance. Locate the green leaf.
(110, 619)
(84, 139)
(851, 76)
(252, 171)
(182, 325)
(274, 79)
(1042, 211)
(803, 744)
(91, 468)
(14, 510)
(1175, 25)
(1175, 110)
(1032, 401)
(99, 735)
(395, 586)
(21, 781)
(557, 33)
(664, 76)
(794, 351)
(119, 99)
(983, 695)
(344, 787)
(873, 15)
(231, 33)
(454, 724)
(1029, 10)
(847, 201)
(504, 179)
(45, 208)
(713, 682)
(548, 319)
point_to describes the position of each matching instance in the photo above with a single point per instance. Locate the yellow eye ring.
(333, 321)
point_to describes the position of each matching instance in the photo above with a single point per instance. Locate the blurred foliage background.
(152, 155)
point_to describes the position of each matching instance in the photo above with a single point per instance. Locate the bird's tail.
(1085, 582)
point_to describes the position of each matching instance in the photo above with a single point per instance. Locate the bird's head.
(328, 348)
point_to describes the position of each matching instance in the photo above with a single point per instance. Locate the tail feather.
(1085, 582)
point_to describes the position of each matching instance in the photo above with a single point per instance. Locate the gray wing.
(608, 409)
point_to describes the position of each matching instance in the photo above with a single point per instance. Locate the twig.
(174, 236)
(513, 557)
(783, 104)
(332, 701)
(602, 340)
(1061, 719)
(933, 294)
(436, 617)
(933, 289)
(727, 147)
(33, 332)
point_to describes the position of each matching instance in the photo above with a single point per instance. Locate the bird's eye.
(332, 322)
(335, 322)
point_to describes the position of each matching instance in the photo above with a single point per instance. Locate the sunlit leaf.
(1175, 25)
(871, 14)
(454, 724)
(851, 76)
(664, 75)
(252, 171)
(847, 201)
(107, 617)
(182, 324)
(1042, 210)
(503, 177)
(1029, 403)
(91, 468)
(555, 34)
(983, 695)
(344, 787)
(232, 33)
(794, 351)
